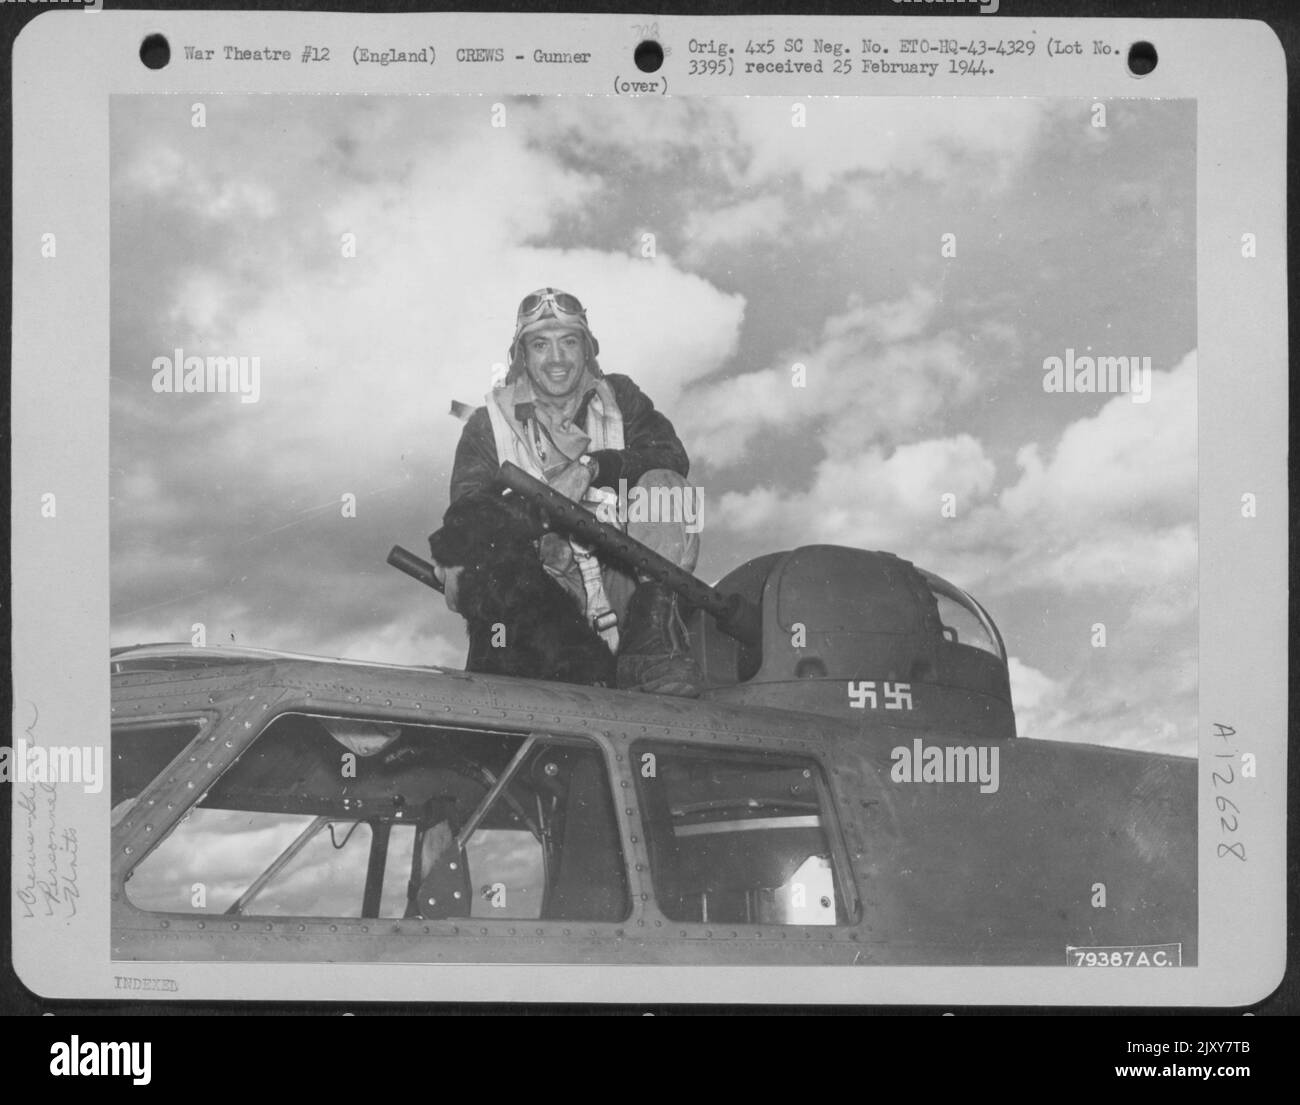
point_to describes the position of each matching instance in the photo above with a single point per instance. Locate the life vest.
(605, 429)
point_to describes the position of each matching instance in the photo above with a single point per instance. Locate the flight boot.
(655, 652)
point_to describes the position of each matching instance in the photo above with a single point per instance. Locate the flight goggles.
(539, 304)
(549, 303)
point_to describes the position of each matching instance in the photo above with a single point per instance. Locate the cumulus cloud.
(165, 172)
(1131, 459)
(1097, 704)
(872, 500)
(986, 137)
(736, 224)
(404, 639)
(1038, 700)
(749, 141)
(1100, 706)
(875, 374)
(786, 181)
(1114, 505)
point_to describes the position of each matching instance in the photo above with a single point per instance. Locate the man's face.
(554, 358)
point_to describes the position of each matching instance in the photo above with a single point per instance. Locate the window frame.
(938, 586)
(803, 758)
(531, 738)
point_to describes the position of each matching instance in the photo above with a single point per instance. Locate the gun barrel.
(735, 616)
(414, 567)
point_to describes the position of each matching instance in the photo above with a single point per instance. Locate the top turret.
(827, 629)
(860, 635)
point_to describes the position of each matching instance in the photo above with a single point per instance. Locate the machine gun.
(734, 614)
(405, 561)
(874, 631)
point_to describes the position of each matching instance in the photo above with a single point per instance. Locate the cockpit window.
(326, 817)
(140, 752)
(964, 620)
(739, 838)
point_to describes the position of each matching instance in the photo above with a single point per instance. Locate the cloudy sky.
(772, 246)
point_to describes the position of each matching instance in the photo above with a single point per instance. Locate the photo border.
(1235, 71)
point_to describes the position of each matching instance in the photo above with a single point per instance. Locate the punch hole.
(649, 56)
(155, 51)
(1141, 58)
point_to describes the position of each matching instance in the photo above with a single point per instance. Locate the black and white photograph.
(711, 530)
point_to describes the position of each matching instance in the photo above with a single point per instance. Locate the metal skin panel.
(833, 589)
(943, 873)
(962, 713)
(1014, 876)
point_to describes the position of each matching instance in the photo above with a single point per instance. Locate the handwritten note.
(45, 880)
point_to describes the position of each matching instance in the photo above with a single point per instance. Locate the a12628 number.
(1221, 778)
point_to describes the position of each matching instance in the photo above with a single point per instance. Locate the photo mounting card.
(888, 602)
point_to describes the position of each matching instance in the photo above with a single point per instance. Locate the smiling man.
(562, 420)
